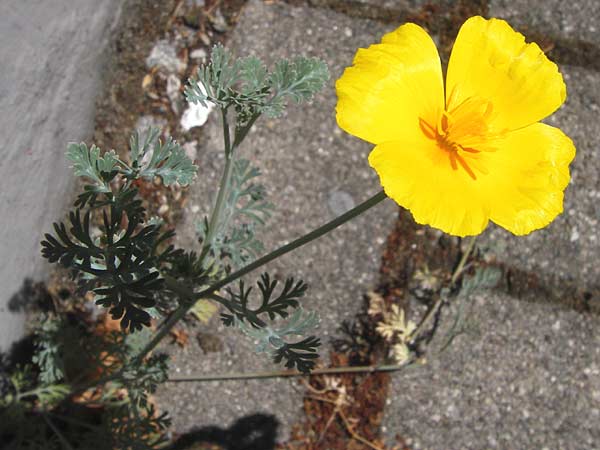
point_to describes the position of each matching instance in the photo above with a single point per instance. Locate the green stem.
(290, 373)
(434, 308)
(63, 440)
(463, 260)
(317, 233)
(223, 188)
(73, 421)
(244, 131)
(226, 178)
(191, 297)
(226, 132)
(214, 222)
(229, 305)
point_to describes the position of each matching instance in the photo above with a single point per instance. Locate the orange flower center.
(462, 132)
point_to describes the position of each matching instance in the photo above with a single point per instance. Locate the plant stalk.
(436, 306)
(291, 373)
(223, 187)
(315, 234)
(63, 440)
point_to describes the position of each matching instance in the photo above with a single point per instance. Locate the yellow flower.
(474, 153)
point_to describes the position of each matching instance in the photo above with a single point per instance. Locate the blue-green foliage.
(248, 85)
(268, 336)
(125, 259)
(234, 242)
(167, 160)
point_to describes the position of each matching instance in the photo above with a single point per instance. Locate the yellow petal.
(491, 62)
(527, 177)
(390, 86)
(418, 175)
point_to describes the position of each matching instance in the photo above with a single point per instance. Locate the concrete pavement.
(529, 379)
(52, 55)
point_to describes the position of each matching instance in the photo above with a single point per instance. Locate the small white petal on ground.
(195, 115)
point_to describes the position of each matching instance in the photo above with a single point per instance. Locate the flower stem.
(463, 259)
(291, 373)
(190, 297)
(315, 234)
(63, 440)
(223, 188)
(436, 306)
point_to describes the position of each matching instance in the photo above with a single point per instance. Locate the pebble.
(164, 55)
(574, 235)
(198, 53)
(163, 209)
(218, 22)
(173, 91)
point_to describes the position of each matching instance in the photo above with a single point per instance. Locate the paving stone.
(525, 376)
(529, 377)
(569, 247)
(312, 171)
(575, 19)
(53, 54)
(391, 5)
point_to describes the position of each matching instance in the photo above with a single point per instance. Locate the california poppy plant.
(472, 153)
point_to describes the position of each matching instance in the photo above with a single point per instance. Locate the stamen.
(465, 166)
(452, 156)
(443, 124)
(468, 149)
(427, 129)
(466, 125)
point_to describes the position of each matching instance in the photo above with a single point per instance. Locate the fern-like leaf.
(297, 80)
(214, 82)
(302, 354)
(76, 249)
(167, 160)
(88, 163)
(127, 297)
(287, 298)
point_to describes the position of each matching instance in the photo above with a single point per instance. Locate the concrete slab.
(526, 376)
(364, 5)
(529, 376)
(576, 20)
(311, 170)
(567, 250)
(52, 55)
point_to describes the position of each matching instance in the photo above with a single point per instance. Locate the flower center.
(462, 132)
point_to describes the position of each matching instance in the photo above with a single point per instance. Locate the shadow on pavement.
(255, 432)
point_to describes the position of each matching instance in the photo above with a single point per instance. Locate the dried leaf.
(180, 337)
(147, 81)
(203, 310)
(107, 324)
